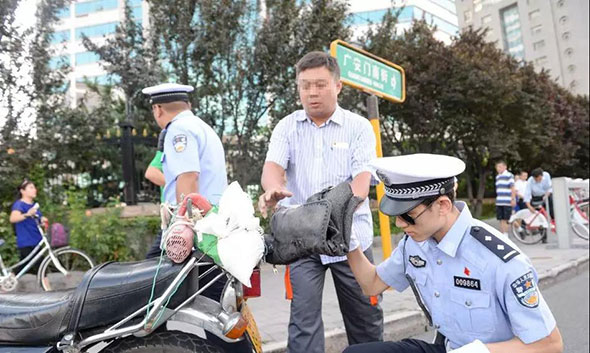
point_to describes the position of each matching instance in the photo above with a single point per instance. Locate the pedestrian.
(505, 195)
(310, 150)
(24, 216)
(538, 193)
(193, 159)
(477, 289)
(520, 187)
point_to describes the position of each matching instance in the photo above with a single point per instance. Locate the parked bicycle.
(530, 228)
(60, 268)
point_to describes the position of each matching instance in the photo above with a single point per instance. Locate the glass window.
(87, 57)
(513, 43)
(533, 15)
(536, 30)
(60, 37)
(539, 45)
(64, 12)
(59, 61)
(467, 16)
(107, 79)
(85, 8)
(97, 30)
(134, 3)
(486, 19)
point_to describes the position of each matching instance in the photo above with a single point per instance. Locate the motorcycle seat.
(116, 291)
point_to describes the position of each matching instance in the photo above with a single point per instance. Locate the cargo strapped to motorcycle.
(67, 342)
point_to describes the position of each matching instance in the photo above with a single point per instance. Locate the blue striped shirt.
(315, 157)
(504, 185)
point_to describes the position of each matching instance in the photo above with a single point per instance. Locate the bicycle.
(61, 268)
(530, 228)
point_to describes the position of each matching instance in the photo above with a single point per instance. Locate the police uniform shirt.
(470, 291)
(192, 146)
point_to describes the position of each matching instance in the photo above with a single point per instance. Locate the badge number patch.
(526, 291)
(467, 283)
(417, 261)
(179, 142)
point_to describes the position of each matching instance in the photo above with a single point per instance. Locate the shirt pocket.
(472, 310)
(338, 160)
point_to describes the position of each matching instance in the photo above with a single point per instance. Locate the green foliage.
(8, 250)
(377, 231)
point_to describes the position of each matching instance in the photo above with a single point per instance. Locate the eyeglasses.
(412, 220)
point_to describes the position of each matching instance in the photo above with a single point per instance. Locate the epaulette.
(504, 251)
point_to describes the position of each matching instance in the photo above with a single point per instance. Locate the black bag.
(322, 225)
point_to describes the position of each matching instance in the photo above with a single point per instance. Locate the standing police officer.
(193, 159)
(475, 286)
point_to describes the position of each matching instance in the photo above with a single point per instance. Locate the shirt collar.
(181, 115)
(337, 117)
(454, 236)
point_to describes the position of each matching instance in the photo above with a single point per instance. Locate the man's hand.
(474, 347)
(270, 198)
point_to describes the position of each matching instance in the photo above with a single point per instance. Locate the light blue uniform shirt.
(316, 157)
(537, 189)
(469, 291)
(192, 146)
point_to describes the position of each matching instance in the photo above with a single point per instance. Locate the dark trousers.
(362, 320)
(407, 345)
(24, 252)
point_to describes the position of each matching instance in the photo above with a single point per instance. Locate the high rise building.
(553, 34)
(440, 13)
(97, 19)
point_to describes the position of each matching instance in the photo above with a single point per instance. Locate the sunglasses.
(412, 220)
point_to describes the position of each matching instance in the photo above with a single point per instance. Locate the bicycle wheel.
(74, 261)
(524, 234)
(579, 220)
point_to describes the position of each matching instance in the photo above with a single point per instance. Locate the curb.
(404, 324)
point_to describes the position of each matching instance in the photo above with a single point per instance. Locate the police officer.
(193, 159)
(475, 286)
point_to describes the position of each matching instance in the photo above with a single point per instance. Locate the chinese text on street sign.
(369, 73)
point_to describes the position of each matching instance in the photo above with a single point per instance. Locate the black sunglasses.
(412, 220)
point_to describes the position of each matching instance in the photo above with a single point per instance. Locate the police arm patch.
(179, 142)
(526, 291)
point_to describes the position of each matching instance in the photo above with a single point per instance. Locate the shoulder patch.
(526, 291)
(179, 142)
(504, 251)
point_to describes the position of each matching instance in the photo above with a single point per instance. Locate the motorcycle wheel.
(162, 342)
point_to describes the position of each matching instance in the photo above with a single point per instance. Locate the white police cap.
(410, 179)
(167, 92)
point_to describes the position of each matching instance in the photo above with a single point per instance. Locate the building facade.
(553, 34)
(97, 19)
(440, 13)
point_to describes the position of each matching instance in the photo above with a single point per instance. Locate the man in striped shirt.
(505, 195)
(311, 149)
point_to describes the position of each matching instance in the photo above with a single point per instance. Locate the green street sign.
(370, 73)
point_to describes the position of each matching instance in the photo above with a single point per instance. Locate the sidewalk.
(403, 317)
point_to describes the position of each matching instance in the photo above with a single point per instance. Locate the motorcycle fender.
(201, 315)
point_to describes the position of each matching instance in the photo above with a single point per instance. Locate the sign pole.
(384, 227)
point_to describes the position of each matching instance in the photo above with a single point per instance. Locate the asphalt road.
(569, 303)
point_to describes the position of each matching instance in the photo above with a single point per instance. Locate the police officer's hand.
(161, 138)
(270, 198)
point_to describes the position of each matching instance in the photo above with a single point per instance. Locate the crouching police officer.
(475, 286)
